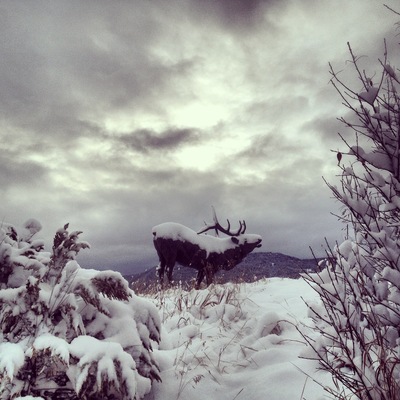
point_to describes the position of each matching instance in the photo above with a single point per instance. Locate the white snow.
(370, 95)
(238, 341)
(175, 231)
(11, 359)
(57, 346)
(109, 357)
(390, 71)
(33, 226)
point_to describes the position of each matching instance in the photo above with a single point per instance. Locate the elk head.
(254, 240)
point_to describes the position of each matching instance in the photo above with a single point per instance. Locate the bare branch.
(391, 9)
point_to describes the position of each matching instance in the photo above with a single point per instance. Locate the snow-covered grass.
(237, 341)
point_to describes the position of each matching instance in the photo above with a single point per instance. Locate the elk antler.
(218, 228)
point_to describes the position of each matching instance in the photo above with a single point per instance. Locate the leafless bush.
(357, 325)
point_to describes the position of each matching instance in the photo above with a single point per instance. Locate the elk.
(175, 243)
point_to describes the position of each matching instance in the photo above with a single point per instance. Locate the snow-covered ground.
(237, 341)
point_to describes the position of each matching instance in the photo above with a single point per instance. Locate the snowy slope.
(237, 342)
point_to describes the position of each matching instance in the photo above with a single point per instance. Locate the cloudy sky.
(119, 115)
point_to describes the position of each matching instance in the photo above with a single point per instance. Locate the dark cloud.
(145, 140)
(65, 61)
(272, 148)
(14, 170)
(237, 16)
(326, 130)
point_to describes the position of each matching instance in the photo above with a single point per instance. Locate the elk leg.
(209, 274)
(160, 272)
(170, 268)
(200, 276)
(169, 274)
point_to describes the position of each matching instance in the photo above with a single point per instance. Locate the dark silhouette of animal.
(175, 243)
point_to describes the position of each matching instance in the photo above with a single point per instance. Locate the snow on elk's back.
(211, 244)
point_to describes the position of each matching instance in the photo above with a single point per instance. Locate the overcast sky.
(119, 115)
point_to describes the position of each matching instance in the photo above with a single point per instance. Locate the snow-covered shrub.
(68, 332)
(359, 284)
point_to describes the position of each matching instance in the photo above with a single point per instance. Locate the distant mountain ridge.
(255, 266)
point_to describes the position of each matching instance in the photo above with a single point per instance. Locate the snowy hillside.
(237, 341)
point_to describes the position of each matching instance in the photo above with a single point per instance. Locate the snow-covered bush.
(68, 332)
(359, 321)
